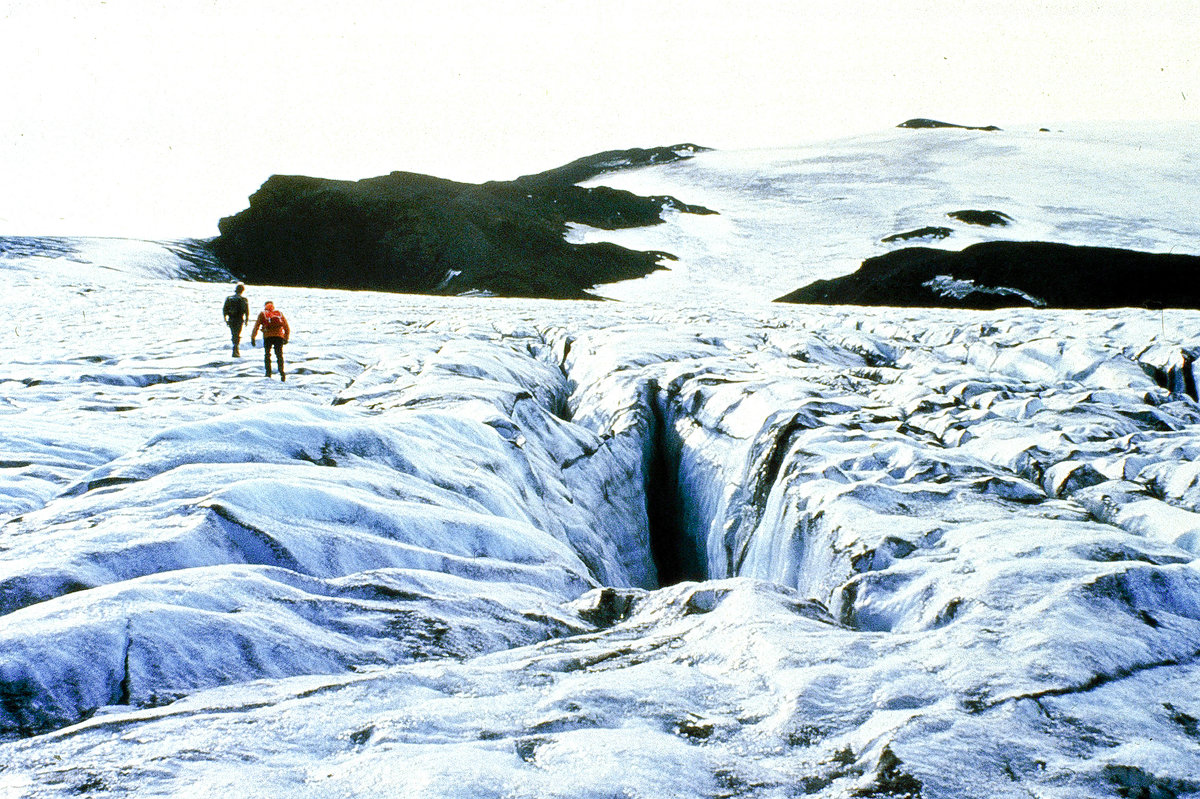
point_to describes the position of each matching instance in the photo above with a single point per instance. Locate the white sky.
(154, 119)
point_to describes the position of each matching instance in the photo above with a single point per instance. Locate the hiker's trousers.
(276, 343)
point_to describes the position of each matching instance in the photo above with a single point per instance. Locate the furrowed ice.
(481, 546)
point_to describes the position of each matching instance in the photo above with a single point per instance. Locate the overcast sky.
(154, 119)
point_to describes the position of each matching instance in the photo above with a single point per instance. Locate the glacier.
(686, 544)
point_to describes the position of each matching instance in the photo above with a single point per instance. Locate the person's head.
(270, 306)
(240, 288)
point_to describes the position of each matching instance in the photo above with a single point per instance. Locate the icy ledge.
(947, 558)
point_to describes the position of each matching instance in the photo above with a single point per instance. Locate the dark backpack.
(236, 307)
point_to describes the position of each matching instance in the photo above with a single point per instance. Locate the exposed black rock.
(919, 233)
(933, 123)
(986, 218)
(889, 780)
(1001, 274)
(419, 234)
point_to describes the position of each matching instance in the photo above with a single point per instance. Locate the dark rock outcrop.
(1000, 274)
(919, 233)
(985, 218)
(419, 234)
(933, 123)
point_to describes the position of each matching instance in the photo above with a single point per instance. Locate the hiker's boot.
(236, 354)
(282, 377)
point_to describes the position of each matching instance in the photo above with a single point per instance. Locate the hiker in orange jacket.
(275, 330)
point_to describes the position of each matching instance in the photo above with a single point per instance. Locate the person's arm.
(287, 331)
(254, 333)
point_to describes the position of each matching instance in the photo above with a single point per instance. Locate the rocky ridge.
(419, 234)
(1003, 274)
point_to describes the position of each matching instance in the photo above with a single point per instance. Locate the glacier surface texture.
(665, 547)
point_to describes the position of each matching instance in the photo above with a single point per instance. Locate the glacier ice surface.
(495, 547)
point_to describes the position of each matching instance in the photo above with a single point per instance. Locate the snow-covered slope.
(480, 547)
(791, 216)
(111, 259)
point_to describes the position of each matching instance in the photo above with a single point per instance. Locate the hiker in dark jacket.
(275, 330)
(237, 313)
